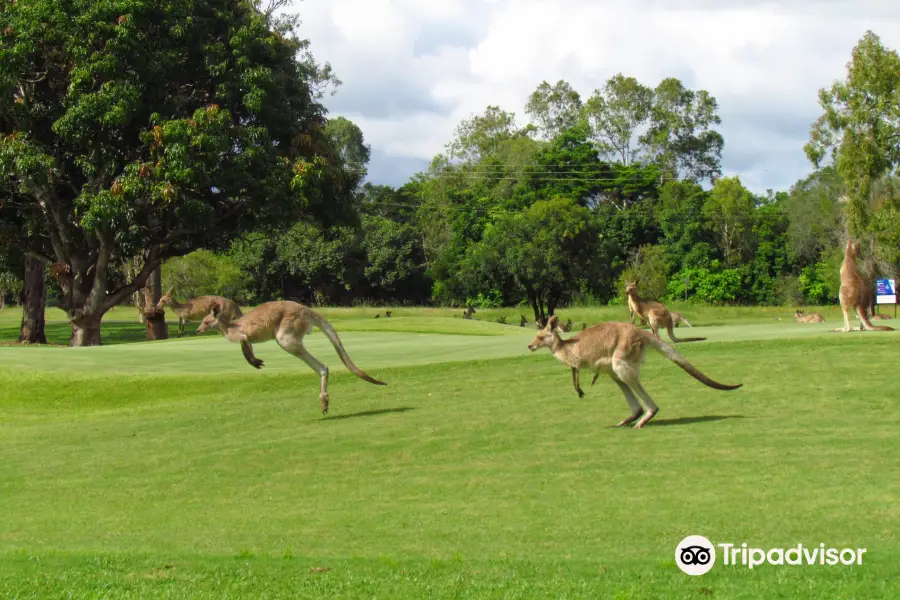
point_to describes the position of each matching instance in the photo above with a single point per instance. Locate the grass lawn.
(174, 470)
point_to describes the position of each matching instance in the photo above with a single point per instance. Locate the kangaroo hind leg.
(636, 409)
(630, 376)
(293, 345)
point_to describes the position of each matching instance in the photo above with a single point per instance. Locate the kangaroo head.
(546, 336)
(165, 299)
(210, 320)
(798, 314)
(630, 287)
(852, 248)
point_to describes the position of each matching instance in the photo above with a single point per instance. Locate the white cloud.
(412, 69)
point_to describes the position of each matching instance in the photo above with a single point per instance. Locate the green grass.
(174, 470)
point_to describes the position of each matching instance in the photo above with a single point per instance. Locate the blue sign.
(885, 291)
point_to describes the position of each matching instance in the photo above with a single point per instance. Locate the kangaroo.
(802, 317)
(677, 319)
(197, 308)
(853, 293)
(467, 314)
(286, 322)
(653, 312)
(522, 321)
(617, 349)
(880, 317)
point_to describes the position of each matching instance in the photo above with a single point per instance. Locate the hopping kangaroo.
(197, 308)
(617, 349)
(802, 317)
(653, 312)
(286, 322)
(853, 292)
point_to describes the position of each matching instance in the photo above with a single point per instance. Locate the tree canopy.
(151, 128)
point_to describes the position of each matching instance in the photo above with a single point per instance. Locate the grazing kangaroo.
(617, 349)
(853, 293)
(467, 314)
(677, 319)
(286, 322)
(802, 317)
(653, 312)
(197, 308)
(880, 317)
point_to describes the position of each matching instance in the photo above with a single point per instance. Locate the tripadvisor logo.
(696, 555)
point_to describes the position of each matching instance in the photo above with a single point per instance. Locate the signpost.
(886, 293)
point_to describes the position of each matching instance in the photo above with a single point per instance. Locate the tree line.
(144, 148)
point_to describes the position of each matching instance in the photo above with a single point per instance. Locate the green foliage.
(555, 108)
(349, 142)
(203, 272)
(10, 283)
(149, 129)
(615, 114)
(860, 125)
(821, 282)
(649, 267)
(544, 250)
(395, 261)
(714, 285)
(814, 214)
(729, 212)
(885, 226)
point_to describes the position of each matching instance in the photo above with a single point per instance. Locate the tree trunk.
(34, 300)
(85, 332)
(157, 329)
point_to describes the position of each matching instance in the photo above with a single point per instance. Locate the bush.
(821, 282)
(706, 285)
(649, 268)
(202, 272)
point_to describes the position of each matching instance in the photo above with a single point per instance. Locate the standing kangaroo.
(853, 292)
(653, 312)
(617, 349)
(286, 322)
(197, 308)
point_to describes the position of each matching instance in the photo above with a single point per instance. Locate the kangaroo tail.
(865, 319)
(671, 331)
(332, 336)
(672, 354)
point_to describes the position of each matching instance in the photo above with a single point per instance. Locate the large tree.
(149, 128)
(617, 113)
(680, 138)
(860, 125)
(729, 211)
(546, 250)
(670, 126)
(554, 108)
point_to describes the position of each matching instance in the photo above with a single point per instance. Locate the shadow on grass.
(692, 420)
(370, 413)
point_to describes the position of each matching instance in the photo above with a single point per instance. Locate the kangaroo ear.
(169, 293)
(552, 323)
(215, 311)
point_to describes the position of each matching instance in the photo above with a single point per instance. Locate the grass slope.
(174, 470)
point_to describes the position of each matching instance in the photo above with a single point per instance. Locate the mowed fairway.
(174, 470)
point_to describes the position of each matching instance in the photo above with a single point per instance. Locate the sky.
(412, 70)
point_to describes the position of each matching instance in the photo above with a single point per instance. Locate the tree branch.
(118, 295)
